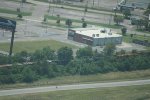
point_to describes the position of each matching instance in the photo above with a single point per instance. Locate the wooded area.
(49, 63)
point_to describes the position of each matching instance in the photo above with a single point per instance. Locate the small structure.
(94, 36)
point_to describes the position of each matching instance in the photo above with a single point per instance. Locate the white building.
(94, 36)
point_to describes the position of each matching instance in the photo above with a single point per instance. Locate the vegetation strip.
(50, 63)
(80, 21)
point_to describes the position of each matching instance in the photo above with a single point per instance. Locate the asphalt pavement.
(72, 87)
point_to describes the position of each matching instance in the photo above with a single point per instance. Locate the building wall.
(79, 38)
(83, 39)
(72, 35)
(105, 41)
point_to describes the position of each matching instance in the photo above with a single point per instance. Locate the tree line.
(49, 63)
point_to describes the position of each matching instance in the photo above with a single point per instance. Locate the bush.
(28, 75)
(124, 31)
(20, 15)
(118, 19)
(6, 79)
(87, 62)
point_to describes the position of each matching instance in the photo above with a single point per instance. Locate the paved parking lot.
(32, 28)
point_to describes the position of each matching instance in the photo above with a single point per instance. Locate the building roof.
(96, 32)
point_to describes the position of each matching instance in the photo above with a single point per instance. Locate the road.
(72, 87)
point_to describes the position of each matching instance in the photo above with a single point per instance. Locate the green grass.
(79, 21)
(128, 38)
(31, 46)
(140, 30)
(108, 77)
(116, 93)
(10, 11)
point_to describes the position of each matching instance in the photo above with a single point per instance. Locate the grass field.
(115, 93)
(31, 46)
(139, 30)
(109, 77)
(129, 39)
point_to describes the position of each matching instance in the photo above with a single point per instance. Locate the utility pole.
(149, 22)
(46, 28)
(110, 19)
(45, 20)
(11, 45)
(85, 10)
(21, 4)
(11, 26)
(98, 3)
(12, 42)
(49, 6)
(93, 3)
(3, 33)
(25, 29)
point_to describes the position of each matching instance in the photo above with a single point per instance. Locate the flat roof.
(96, 32)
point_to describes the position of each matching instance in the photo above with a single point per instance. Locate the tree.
(84, 24)
(148, 7)
(20, 16)
(65, 55)
(69, 23)
(131, 35)
(141, 23)
(84, 52)
(3, 59)
(86, 9)
(21, 57)
(28, 75)
(45, 20)
(118, 19)
(18, 10)
(7, 79)
(146, 13)
(124, 31)
(109, 49)
(121, 52)
(126, 13)
(58, 19)
(23, 1)
(45, 54)
(49, 53)
(134, 51)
